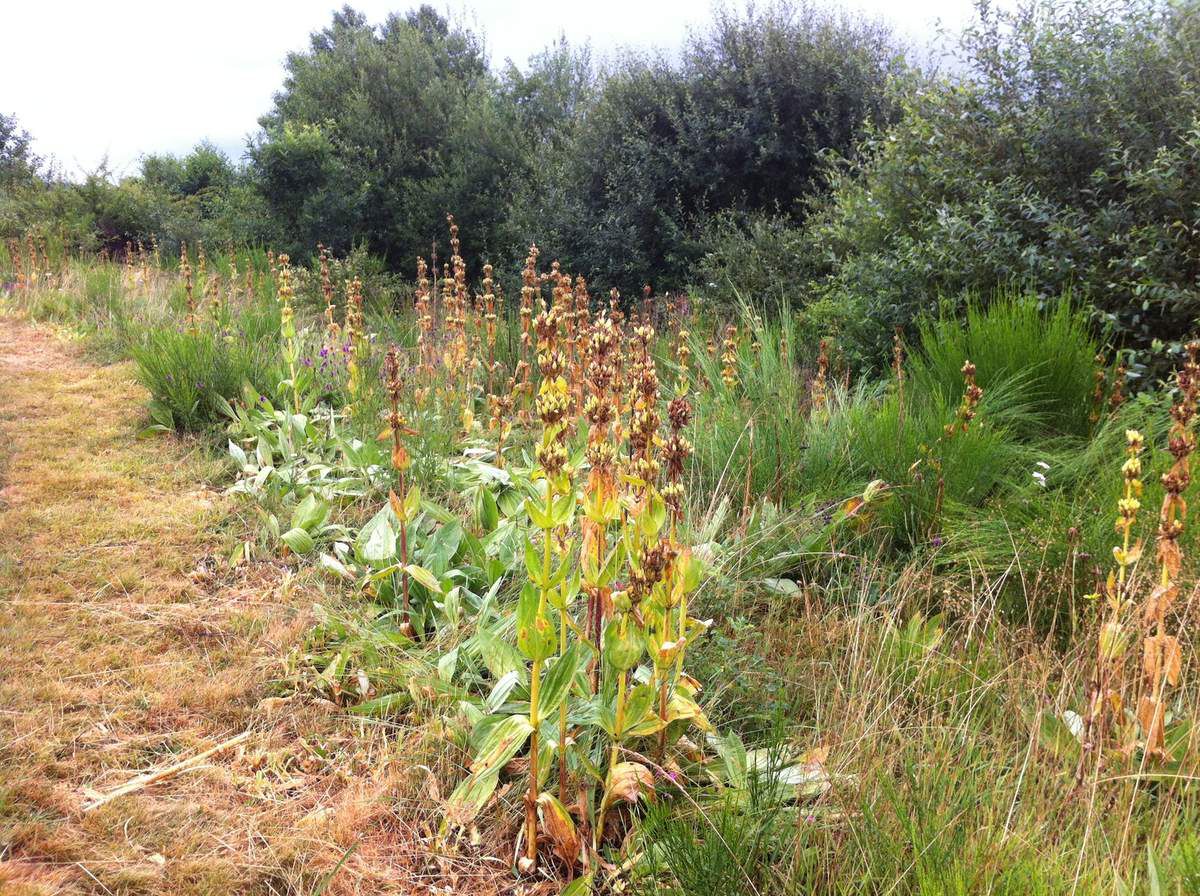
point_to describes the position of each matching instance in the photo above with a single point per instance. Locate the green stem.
(535, 683)
(562, 717)
(615, 752)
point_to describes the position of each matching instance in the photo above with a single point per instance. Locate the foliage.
(976, 491)
(191, 375)
(1047, 354)
(737, 126)
(1058, 159)
(377, 131)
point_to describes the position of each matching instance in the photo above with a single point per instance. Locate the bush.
(1047, 356)
(187, 374)
(1062, 158)
(874, 431)
(751, 260)
(738, 125)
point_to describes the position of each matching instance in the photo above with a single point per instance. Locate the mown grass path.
(122, 650)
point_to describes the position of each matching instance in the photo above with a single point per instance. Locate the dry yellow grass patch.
(125, 647)
(127, 644)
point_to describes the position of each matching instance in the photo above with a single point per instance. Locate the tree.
(1063, 156)
(378, 132)
(19, 166)
(738, 126)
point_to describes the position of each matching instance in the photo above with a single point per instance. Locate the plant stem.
(535, 682)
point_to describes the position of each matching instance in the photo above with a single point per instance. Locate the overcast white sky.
(90, 79)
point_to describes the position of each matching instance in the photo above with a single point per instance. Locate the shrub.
(737, 125)
(189, 374)
(1060, 158)
(751, 260)
(1047, 356)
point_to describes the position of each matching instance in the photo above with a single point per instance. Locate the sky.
(95, 80)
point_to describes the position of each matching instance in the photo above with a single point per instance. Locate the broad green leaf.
(533, 565)
(499, 656)
(564, 509)
(580, 886)
(500, 744)
(441, 547)
(556, 683)
(639, 708)
(376, 542)
(469, 797)
(310, 513)
(447, 665)
(236, 452)
(535, 634)
(383, 706)
(263, 452)
(335, 566)
(623, 649)
(425, 577)
(487, 511)
(500, 690)
(732, 753)
(412, 503)
(298, 540)
(538, 515)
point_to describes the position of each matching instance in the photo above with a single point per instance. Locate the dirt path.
(127, 644)
(123, 649)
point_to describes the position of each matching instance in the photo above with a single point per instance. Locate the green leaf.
(310, 513)
(556, 684)
(425, 577)
(564, 510)
(500, 690)
(469, 797)
(236, 452)
(1152, 872)
(499, 657)
(376, 542)
(653, 516)
(500, 744)
(336, 566)
(412, 503)
(622, 650)
(732, 753)
(638, 707)
(487, 511)
(538, 515)
(441, 547)
(263, 452)
(447, 665)
(161, 414)
(298, 540)
(580, 886)
(535, 634)
(383, 706)
(533, 565)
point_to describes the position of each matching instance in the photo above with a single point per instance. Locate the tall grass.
(188, 373)
(1044, 354)
(763, 432)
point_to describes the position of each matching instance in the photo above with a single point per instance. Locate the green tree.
(737, 126)
(378, 132)
(1063, 155)
(19, 166)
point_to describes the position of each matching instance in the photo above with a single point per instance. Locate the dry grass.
(128, 645)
